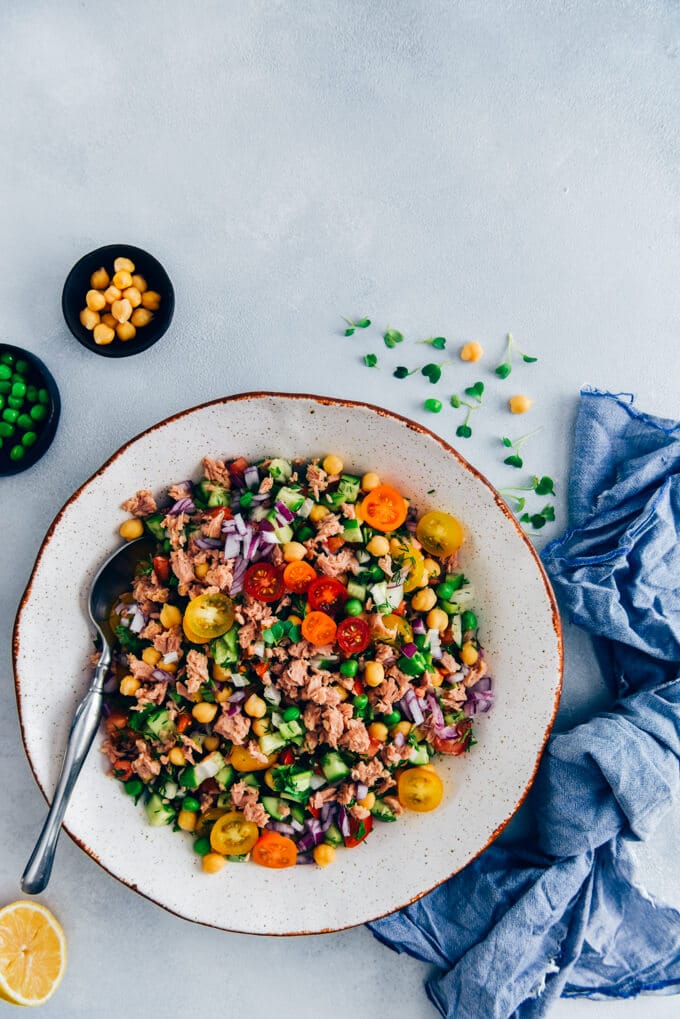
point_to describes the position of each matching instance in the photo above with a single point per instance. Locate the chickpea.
(170, 616)
(323, 855)
(100, 279)
(211, 743)
(129, 686)
(112, 294)
(133, 528)
(432, 568)
(151, 656)
(186, 820)
(204, 712)
(260, 726)
(212, 863)
(133, 295)
(368, 801)
(169, 666)
(176, 757)
(519, 404)
(222, 695)
(469, 653)
(122, 279)
(140, 283)
(379, 731)
(201, 570)
(318, 512)
(89, 319)
(125, 331)
(255, 706)
(141, 317)
(369, 481)
(332, 464)
(110, 321)
(121, 310)
(293, 551)
(424, 600)
(437, 619)
(374, 673)
(151, 299)
(95, 300)
(220, 673)
(378, 546)
(122, 264)
(472, 351)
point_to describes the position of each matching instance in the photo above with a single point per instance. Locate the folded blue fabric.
(522, 926)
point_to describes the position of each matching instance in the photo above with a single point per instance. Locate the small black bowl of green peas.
(29, 409)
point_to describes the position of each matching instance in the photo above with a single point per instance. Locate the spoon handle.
(82, 732)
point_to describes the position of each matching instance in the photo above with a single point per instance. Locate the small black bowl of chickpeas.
(118, 300)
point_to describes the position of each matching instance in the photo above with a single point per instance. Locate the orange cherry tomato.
(123, 770)
(335, 543)
(326, 594)
(384, 508)
(318, 628)
(264, 582)
(274, 850)
(183, 722)
(298, 576)
(354, 635)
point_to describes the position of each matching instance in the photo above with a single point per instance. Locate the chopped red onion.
(238, 680)
(327, 812)
(437, 714)
(206, 543)
(233, 709)
(232, 545)
(343, 820)
(228, 526)
(181, 506)
(258, 650)
(281, 827)
(303, 859)
(409, 650)
(237, 697)
(483, 684)
(240, 524)
(270, 538)
(162, 676)
(399, 739)
(419, 627)
(414, 708)
(137, 621)
(283, 511)
(309, 840)
(252, 547)
(449, 732)
(251, 476)
(362, 791)
(295, 825)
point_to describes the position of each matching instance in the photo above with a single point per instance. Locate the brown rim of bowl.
(323, 401)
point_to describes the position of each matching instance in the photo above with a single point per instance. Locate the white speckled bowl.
(399, 862)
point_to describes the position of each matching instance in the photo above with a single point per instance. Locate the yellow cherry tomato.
(208, 616)
(439, 533)
(404, 634)
(406, 555)
(420, 789)
(242, 760)
(232, 835)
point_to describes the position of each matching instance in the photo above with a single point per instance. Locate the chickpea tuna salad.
(291, 661)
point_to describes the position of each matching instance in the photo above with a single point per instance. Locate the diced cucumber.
(293, 498)
(207, 768)
(280, 470)
(298, 813)
(225, 776)
(258, 512)
(395, 595)
(224, 801)
(363, 556)
(333, 836)
(169, 789)
(382, 811)
(159, 724)
(378, 593)
(275, 807)
(243, 858)
(291, 730)
(225, 649)
(456, 629)
(356, 590)
(419, 755)
(284, 532)
(271, 742)
(347, 491)
(157, 812)
(463, 599)
(154, 524)
(250, 779)
(218, 497)
(352, 531)
(334, 767)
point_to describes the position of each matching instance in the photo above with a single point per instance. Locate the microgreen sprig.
(515, 460)
(438, 342)
(476, 393)
(539, 520)
(392, 337)
(543, 485)
(505, 367)
(352, 327)
(433, 372)
(371, 360)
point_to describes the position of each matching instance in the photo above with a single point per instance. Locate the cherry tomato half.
(232, 835)
(161, 567)
(264, 582)
(274, 850)
(353, 635)
(384, 508)
(207, 616)
(358, 830)
(403, 632)
(439, 533)
(408, 557)
(298, 576)
(326, 594)
(420, 789)
(318, 628)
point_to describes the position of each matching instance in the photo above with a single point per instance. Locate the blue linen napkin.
(521, 926)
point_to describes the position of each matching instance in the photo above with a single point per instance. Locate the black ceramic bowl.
(78, 283)
(38, 375)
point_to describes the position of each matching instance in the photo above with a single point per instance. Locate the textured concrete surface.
(456, 169)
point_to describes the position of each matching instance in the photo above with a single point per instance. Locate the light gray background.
(447, 168)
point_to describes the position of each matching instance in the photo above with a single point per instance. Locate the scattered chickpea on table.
(118, 305)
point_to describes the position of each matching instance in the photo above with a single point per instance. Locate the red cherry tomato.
(353, 635)
(214, 511)
(161, 567)
(287, 756)
(326, 594)
(358, 830)
(456, 747)
(238, 465)
(264, 582)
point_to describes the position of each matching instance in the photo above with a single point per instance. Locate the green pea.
(19, 389)
(392, 719)
(360, 702)
(25, 421)
(5, 386)
(6, 430)
(22, 367)
(450, 607)
(468, 621)
(15, 401)
(29, 439)
(445, 590)
(31, 394)
(202, 846)
(7, 358)
(43, 396)
(189, 803)
(5, 371)
(134, 787)
(10, 415)
(349, 668)
(433, 405)
(354, 607)
(2, 401)
(16, 453)
(291, 713)
(39, 412)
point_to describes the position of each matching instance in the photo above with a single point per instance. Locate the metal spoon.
(111, 581)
